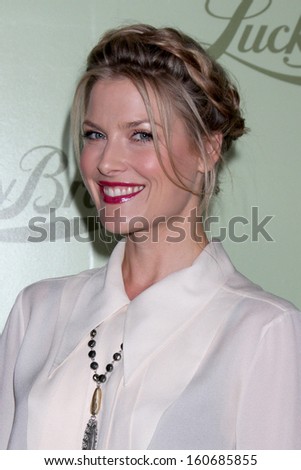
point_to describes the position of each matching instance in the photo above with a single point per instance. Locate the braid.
(183, 77)
(173, 53)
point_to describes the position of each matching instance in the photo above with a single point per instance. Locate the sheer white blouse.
(210, 361)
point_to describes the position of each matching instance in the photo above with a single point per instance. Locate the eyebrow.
(126, 125)
(91, 124)
(133, 124)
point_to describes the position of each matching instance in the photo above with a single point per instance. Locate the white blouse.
(210, 361)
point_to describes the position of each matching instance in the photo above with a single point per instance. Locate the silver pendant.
(90, 435)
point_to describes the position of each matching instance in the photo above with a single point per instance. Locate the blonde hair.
(183, 78)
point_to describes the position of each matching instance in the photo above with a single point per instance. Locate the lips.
(116, 193)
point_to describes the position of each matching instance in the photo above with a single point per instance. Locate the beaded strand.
(91, 431)
(102, 378)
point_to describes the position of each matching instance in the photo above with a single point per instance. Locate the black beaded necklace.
(91, 431)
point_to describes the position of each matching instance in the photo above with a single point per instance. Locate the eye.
(93, 135)
(142, 136)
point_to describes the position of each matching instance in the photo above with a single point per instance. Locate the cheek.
(87, 170)
(147, 165)
(150, 166)
(86, 165)
(187, 165)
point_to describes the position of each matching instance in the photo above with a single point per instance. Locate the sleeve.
(10, 342)
(269, 413)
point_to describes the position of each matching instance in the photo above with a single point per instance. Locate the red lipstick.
(118, 192)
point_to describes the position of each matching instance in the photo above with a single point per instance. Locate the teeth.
(121, 190)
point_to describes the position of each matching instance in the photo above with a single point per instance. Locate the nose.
(112, 159)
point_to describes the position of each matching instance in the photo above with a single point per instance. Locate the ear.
(213, 145)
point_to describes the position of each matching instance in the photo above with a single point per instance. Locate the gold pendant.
(96, 401)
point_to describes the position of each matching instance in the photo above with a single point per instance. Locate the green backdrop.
(44, 44)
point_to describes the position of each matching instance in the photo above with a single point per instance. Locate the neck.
(147, 261)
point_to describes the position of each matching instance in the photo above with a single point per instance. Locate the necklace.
(91, 431)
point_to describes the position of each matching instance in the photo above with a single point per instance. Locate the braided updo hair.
(183, 78)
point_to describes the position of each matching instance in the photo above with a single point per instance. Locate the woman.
(177, 349)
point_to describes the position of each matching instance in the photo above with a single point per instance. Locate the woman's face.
(120, 166)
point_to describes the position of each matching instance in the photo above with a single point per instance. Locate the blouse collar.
(159, 313)
(155, 315)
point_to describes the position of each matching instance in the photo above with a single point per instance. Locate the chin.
(119, 231)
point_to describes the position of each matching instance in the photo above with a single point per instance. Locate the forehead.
(119, 101)
(117, 96)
